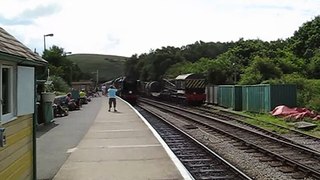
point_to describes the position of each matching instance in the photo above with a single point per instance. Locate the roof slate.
(10, 45)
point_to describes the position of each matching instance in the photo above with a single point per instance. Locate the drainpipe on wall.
(34, 137)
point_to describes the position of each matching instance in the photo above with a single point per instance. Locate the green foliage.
(315, 103)
(251, 76)
(177, 69)
(244, 51)
(296, 79)
(131, 68)
(161, 60)
(311, 94)
(286, 65)
(308, 90)
(226, 69)
(48, 86)
(59, 65)
(54, 56)
(164, 62)
(314, 66)
(201, 66)
(259, 70)
(200, 49)
(59, 84)
(307, 39)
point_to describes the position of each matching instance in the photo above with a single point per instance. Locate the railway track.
(304, 160)
(288, 134)
(200, 161)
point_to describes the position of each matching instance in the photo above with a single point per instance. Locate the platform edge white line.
(182, 169)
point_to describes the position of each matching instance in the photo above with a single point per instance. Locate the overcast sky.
(127, 27)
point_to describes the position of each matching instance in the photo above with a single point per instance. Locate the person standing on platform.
(112, 97)
(103, 87)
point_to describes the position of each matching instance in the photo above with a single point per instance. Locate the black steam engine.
(127, 88)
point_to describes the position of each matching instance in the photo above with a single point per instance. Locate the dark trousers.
(112, 101)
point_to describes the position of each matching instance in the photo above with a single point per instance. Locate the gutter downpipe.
(34, 139)
(35, 124)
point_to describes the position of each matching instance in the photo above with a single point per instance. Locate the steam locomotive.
(127, 88)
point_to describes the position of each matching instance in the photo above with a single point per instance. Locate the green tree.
(306, 39)
(261, 69)
(157, 63)
(308, 90)
(219, 72)
(54, 56)
(194, 52)
(289, 63)
(60, 65)
(177, 69)
(314, 66)
(131, 68)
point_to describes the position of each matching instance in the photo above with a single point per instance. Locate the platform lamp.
(97, 76)
(44, 40)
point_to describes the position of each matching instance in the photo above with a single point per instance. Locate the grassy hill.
(109, 66)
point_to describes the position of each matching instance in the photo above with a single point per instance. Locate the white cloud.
(125, 27)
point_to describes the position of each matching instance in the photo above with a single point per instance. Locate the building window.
(6, 94)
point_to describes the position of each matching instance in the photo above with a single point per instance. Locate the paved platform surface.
(54, 140)
(121, 145)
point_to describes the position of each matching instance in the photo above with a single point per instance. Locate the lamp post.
(234, 73)
(44, 40)
(97, 73)
(71, 72)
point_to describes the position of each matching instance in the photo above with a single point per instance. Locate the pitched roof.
(190, 76)
(10, 46)
(183, 76)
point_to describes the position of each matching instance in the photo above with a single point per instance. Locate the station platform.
(121, 146)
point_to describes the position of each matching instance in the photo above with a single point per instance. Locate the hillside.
(109, 66)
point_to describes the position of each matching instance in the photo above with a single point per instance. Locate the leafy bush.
(260, 69)
(315, 103)
(48, 86)
(312, 94)
(308, 90)
(59, 84)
